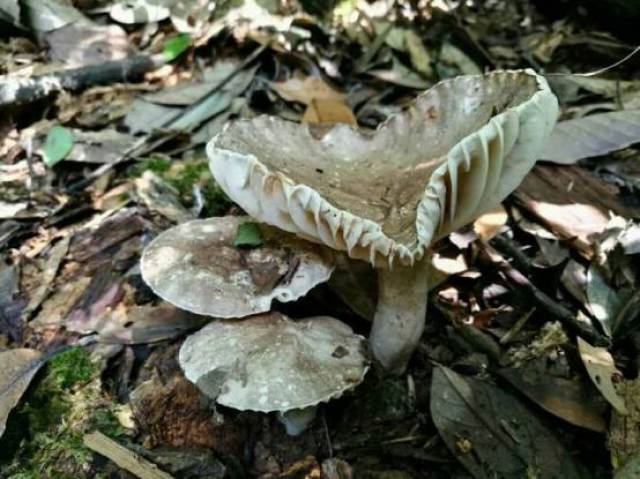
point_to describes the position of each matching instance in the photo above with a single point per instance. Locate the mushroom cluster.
(265, 362)
(383, 197)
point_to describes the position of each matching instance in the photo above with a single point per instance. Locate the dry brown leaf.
(304, 90)
(17, 368)
(328, 111)
(489, 224)
(571, 202)
(601, 368)
(593, 135)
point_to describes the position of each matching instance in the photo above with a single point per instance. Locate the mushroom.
(270, 363)
(457, 151)
(196, 267)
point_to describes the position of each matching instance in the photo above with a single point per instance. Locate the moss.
(71, 368)
(44, 435)
(183, 175)
(155, 163)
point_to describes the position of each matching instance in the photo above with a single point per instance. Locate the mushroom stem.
(296, 421)
(400, 315)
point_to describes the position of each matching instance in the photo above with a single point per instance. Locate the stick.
(491, 257)
(17, 90)
(123, 457)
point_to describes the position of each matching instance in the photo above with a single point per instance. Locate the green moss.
(183, 175)
(155, 163)
(44, 434)
(71, 368)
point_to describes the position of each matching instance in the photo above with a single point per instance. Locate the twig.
(17, 90)
(493, 258)
(123, 457)
(509, 247)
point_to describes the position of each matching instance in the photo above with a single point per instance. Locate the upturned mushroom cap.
(272, 363)
(196, 267)
(456, 152)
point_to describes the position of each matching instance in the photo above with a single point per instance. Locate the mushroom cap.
(196, 267)
(457, 151)
(272, 363)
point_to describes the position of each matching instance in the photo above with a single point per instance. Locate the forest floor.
(528, 366)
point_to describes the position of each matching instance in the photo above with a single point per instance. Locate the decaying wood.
(123, 457)
(18, 90)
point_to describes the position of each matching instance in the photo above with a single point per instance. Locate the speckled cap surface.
(272, 363)
(196, 267)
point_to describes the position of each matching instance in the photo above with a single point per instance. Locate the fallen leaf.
(17, 368)
(572, 202)
(452, 55)
(401, 75)
(420, 58)
(248, 236)
(328, 112)
(490, 223)
(101, 146)
(47, 15)
(305, 90)
(592, 135)
(605, 303)
(57, 145)
(601, 368)
(569, 399)
(492, 433)
(574, 278)
(630, 239)
(78, 45)
(176, 46)
(145, 116)
(551, 253)
(10, 12)
(213, 104)
(47, 275)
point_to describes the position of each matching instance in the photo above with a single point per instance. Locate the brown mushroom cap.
(272, 363)
(456, 152)
(196, 267)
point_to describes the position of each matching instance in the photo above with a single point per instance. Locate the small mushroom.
(385, 197)
(196, 267)
(270, 363)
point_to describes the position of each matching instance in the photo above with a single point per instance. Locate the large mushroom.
(385, 197)
(270, 363)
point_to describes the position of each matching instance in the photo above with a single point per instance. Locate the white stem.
(400, 315)
(296, 421)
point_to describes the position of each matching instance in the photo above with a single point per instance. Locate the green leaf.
(248, 236)
(176, 46)
(57, 145)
